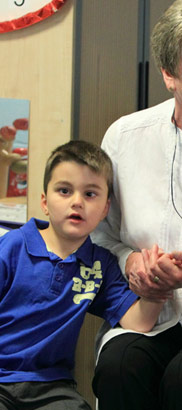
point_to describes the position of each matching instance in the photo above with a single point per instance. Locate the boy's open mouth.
(77, 217)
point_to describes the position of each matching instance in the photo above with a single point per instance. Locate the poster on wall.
(14, 126)
(17, 14)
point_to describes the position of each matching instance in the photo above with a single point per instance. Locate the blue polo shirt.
(44, 299)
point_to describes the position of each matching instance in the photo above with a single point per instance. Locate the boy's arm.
(143, 314)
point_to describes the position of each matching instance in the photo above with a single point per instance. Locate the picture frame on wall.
(14, 133)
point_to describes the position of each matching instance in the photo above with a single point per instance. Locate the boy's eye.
(64, 191)
(90, 194)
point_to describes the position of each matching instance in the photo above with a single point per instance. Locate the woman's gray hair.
(166, 39)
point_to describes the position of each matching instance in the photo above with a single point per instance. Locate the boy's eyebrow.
(63, 182)
(93, 186)
(87, 186)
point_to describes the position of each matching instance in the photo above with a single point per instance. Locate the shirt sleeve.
(3, 278)
(114, 297)
(6, 266)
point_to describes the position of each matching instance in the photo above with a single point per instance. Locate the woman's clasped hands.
(154, 274)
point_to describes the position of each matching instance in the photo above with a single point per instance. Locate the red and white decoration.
(17, 14)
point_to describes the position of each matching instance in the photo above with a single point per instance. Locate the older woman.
(144, 371)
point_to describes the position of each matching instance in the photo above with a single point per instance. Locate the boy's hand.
(176, 257)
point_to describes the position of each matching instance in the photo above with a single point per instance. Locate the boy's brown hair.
(84, 153)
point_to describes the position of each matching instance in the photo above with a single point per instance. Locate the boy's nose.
(77, 200)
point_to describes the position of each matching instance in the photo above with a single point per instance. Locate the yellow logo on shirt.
(86, 286)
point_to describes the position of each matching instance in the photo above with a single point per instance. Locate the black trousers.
(136, 372)
(56, 395)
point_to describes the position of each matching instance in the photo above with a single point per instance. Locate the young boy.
(51, 275)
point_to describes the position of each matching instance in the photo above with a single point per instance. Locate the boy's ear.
(106, 209)
(169, 80)
(43, 204)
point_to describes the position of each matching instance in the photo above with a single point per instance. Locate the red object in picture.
(17, 185)
(21, 124)
(8, 133)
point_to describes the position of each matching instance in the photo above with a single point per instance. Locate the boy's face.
(76, 201)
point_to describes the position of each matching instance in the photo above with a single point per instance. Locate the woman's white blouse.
(141, 146)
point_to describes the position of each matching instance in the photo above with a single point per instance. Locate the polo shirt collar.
(34, 242)
(85, 252)
(37, 247)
